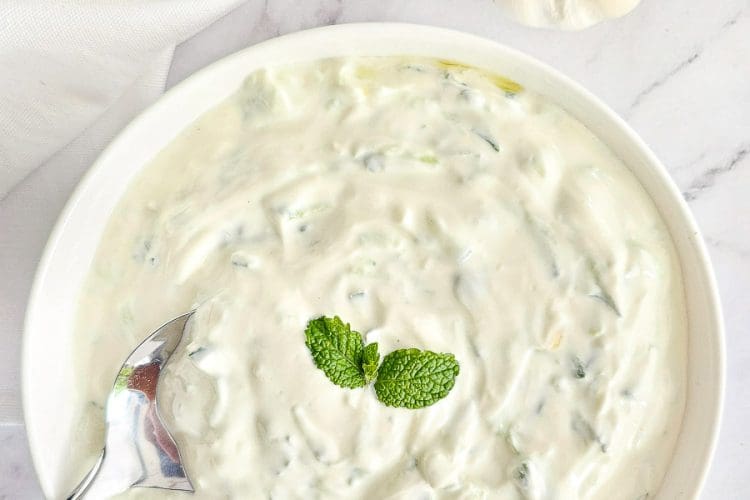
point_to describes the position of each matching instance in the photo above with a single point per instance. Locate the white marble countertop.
(679, 72)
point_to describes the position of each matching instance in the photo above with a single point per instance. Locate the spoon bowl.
(139, 450)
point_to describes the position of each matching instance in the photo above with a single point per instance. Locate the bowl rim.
(394, 29)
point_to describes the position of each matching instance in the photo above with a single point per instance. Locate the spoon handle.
(86, 481)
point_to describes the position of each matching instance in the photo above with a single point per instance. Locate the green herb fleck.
(429, 159)
(489, 140)
(600, 293)
(584, 429)
(579, 371)
(411, 378)
(521, 476)
(337, 350)
(607, 300)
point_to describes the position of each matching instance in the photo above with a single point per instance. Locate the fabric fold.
(64, 64)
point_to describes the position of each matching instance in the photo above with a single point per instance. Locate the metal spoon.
(139, 451)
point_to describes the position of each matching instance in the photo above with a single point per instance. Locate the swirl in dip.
(430, 205)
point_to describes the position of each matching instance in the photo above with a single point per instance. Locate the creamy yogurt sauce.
(432, 206)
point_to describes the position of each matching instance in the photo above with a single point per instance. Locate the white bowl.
(47, 350)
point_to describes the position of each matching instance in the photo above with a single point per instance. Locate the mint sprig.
(407, 378)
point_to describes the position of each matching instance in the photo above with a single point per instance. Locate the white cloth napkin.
(64, 64)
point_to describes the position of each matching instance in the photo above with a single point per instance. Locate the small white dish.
(47, 373)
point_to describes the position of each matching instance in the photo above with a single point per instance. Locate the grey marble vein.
(708, 177)
(266, 21)
(733, 20)
(684, 63)
(663, 79)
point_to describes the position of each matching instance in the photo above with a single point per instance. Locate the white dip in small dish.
(430, 205)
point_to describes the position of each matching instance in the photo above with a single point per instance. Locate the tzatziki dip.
(431, 206)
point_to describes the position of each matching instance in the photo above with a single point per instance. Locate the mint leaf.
(337, 350)
(411, 378)
(370, 360)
